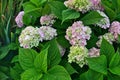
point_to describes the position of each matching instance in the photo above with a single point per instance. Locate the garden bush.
(60, 40)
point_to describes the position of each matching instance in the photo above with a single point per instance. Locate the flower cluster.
(108, 36)
(47, 20)
(19, 20)
(47, 32)
(79, 5)
(115, 29)
(77, 34)
(78, 55)
(96, 5)
(94, 52)
(29, 37)
(105, 22)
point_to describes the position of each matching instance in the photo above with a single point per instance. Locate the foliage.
(49, 60)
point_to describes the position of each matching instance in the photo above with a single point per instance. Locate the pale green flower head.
(78, 55)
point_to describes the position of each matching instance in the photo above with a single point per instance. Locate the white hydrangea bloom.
(29, 37)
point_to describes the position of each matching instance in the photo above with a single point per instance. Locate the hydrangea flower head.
(29, 37)
(108, 36)
(96, 5)
(78, 34)
(47, 32)
(105, 22)
(94, 52)
(47, 20)
(78, 55)
(79, 5)
(19, 20)
(115, 29)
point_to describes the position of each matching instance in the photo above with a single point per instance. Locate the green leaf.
(57, 8)
(31, 9)
(109, 11)
(115, 70)
(98, 64)
(5, 50)
(41, 61)
(113, 77)
(14, 74)
(115, 60)
(89, 75)
(38, 2)
(31, 74)
(107, 49)
(56, 73)
(62, 41)
(88, 19)
(26, 58)
(68, 67)
(69, 14)
(54, 56)
(3, 76)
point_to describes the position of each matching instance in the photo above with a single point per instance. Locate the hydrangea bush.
(61, 40)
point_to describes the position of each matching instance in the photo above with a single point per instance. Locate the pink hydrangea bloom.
(47, 20)
(18, 19)
(78, 34)
(94, 52)
(47, 32)
(115, 29)
(96, 5)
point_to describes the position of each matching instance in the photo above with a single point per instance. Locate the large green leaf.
(26, 58)
(68, 67)
(113, 77)
(111, 13)
(115, 70)
(31, 74)
(5, 50)
(30, 8)
(107, 49)
(56, 73)
(57, 8)
(69, 14)
(54, 56)
(89, 75)
(41, 61)
(98, 64)
(115, 60)
(91, 18)
(38, 2)
(3, 76)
